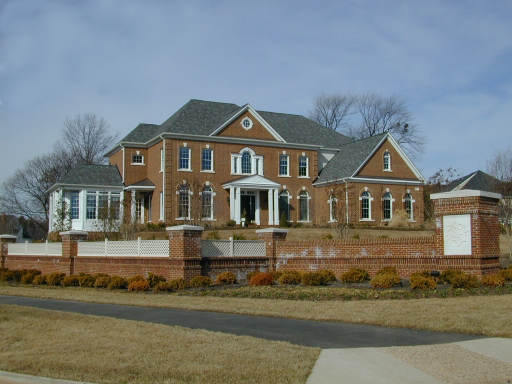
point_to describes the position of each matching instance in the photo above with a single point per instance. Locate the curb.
(11, 377)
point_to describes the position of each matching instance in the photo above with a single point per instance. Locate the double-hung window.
(91, 205)
(115, 205)
(206, 159)
(303, 206)
(184, 161)
(366, 206)
(387, 203)
(246, 163)
(387, 161)
(207, 203)
(284, 165)
(75, 205)
(303, 166)
(184, 202)
(409, 206)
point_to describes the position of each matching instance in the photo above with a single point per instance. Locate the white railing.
(232, 248)
(138, 248)
(36, 249)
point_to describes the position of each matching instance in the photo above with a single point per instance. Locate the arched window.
(409, 206)
(333, 208)
(284, 205)
(246, 163)
(387, 161)
(184, 202)
(387, 206)
(303, 206)
(207, 203)
(366, 206)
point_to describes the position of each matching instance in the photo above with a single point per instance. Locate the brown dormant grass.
(483, 315)
(103, 350)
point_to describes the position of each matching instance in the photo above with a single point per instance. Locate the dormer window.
(387, 161)
(138, 159)
(247, 123)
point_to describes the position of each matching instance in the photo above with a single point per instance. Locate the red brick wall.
(240, 266)
(45, 264)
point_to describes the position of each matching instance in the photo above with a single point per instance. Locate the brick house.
(211, 163)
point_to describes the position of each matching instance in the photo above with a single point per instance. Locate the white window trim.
(190, 193)
(236, 158)
(307, 167)
(411, 219)
(162, 160)
(207, 170)
(331, 199)
(212, 214)
(161, 206)
(391, 201)
(287, 165)
(250, 123)
(309, 208)
(384, 163)
(134, 163)
(369, 218)
(189, 169)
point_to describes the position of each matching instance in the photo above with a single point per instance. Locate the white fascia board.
(256, 115)
(83, 186)
(465, 193)
(370, 180)
(463, 184)
(139, 188)
(370, 155)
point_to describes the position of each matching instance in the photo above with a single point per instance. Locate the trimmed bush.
(276, 275)
(387, 270)
(448, 275)
(162, 287)
(251, 274)
(226, 278)
(102, 282)
(506, 273)
(70, 281)
(327, 275)
(54, 279)
(313, 278)
(177, 284)
(262, 278)
(117, 282)
(29, 275)
(39, 280)
(493, 280)
(138, 286)
(200, 282)
(355, 275)
(136, 278)
(86, 280)
(153, 279)
(11, 275)
(385, 280)
(420, 281)
(290, 278)
(464, 280)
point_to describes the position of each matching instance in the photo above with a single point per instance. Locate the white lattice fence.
(38, 249)
(232, 248)
(142, 248)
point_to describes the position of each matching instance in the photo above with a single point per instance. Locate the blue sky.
(139, 61)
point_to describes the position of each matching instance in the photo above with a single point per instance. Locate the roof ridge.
(365, 138)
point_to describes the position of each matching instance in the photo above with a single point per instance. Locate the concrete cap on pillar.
(7, 237)
(185, 228)
(71, 233)
(465, 193)
(272, 230)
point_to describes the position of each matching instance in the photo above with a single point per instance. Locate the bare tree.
(500, 166)
(332, 111)
(86, 138)
(380, 114)
(443, 176)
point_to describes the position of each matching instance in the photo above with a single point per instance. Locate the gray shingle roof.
(199, 117)
(96, 174)
(143, 183)
(478, 180)
(348, 159)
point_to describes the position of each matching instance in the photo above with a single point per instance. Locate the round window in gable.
(247, 123)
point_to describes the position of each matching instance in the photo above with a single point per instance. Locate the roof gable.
(92, 175)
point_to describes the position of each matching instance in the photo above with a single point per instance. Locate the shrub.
(213, 235)
(419, 281)
(102, 282)
(86, 280)
(138, 286)
(464, 280)
(200, 282)
(355, 275)
(493, 280)
(312, 278)
(226, 278)
(276, 275)
(231, 223)
(251, 274)
(177, 284)
(162, 287)
(327, 275)
(54, 279)
(356, 236)
(327, 236)
(70, 281)
(153, 279)
(238, 236)
(261, 278)
(39, 280)
(290, 277)
(136, 278)
(29, 275)
(11, 275)
(506, 273)
(448, 275)
(422, 273)
(385, 280)
(117, 282)
(387, 270)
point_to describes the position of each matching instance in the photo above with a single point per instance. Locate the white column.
(82, 199)
(270, 207)
(132, 206)
(276, 207)
(237, 205)
(232, 203)
(142, 210)
(257, 213)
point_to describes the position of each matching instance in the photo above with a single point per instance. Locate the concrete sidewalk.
(17, 378)
(468, 362)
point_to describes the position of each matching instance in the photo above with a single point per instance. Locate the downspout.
(163, 180)
(123, 161)
(346, 200)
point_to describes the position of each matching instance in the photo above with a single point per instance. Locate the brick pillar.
(467, 230)
(4, 239)
(185, 251)
(271, 236)
(70, 241)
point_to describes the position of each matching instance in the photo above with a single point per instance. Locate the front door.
(248, 207)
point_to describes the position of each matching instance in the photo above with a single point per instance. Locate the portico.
(245, 199)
